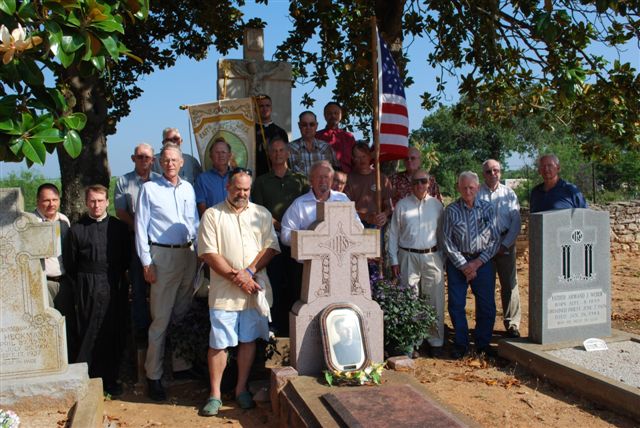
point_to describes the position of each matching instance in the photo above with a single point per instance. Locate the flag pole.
(376, 124)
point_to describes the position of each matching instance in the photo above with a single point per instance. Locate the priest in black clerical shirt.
(264, 134)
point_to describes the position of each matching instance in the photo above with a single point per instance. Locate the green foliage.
(370, 375)
(408, 318)
(79, 35)
(29, 182)
(510, 59)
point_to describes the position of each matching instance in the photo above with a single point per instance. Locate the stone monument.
(335, 251)
(252, 75)
(569, 275)
(33, 351)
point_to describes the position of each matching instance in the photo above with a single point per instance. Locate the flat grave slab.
(606, 391)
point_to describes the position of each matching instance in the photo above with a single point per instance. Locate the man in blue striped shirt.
(470, 237)
(166, 225)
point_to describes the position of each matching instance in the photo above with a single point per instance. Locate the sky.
(193, 82)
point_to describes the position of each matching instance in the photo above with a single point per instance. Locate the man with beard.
(237, 240)
(96, 255)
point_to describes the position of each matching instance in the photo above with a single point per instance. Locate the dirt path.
(494, 393)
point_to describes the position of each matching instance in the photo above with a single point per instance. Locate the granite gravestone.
(252, 75)
(569, 275)
(335, 251)
(33, 352)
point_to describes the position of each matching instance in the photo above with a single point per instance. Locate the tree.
(93, 52)
(515, 58)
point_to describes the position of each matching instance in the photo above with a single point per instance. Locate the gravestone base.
(60, 390)
(605, 391)
(306, 401)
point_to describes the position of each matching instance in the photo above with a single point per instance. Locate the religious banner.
(231, 119)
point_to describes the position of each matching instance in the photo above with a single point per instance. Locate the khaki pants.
(425, 272)
(170, 299)
(509, 293)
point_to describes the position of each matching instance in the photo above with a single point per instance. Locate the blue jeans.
(483, 288)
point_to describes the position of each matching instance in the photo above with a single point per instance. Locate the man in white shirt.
(507, 210)
(413, 251)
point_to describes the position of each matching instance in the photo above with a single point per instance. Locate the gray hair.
(484, 164)
(553, 157)
(468, 175)
(171, 146)
(143, 146)
(321, 164)
(420, 171)
(165, 131)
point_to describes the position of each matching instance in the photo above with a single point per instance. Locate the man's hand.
(250, 287)
(395, 269)
(149, 273)
(276, 225)
(379, 219)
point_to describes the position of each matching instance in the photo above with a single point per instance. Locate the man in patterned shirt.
(307, 150)
(471, 239)
(401, 181)
(507, 210)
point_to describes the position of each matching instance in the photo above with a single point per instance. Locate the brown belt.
(187, 245)
(425, 251)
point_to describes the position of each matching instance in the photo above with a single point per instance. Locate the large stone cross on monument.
(252, 75)
(335, 252)
(32, 335)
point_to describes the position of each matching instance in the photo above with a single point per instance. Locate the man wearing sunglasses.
(191, 168)
(413, 250)
(507, 210)
(125, 198)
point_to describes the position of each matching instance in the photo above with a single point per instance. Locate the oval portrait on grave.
(239, 152)
(344, 341)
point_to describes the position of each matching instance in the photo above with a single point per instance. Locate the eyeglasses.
(143, 157)
(238, 170)
(174, 139)
(420, 181)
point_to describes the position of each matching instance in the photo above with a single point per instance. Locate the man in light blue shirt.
(166, 225)
(507, 210)
(191, 168)
(126, 197)
(211, 185)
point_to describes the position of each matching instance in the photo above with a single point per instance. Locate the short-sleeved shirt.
(342, 143)
(561, 196)
(238, 237)
(126, 192)
(54, 266)
(211, 187)
(361, 189)
(507, 210)
(277, 193)
(301, 159)
(402, 187)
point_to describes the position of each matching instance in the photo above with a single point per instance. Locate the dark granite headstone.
(386, 405)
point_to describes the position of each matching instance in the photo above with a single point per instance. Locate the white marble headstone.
(335, 251)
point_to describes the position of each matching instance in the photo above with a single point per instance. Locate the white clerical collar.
(99, 219)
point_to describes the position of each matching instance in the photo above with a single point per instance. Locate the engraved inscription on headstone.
(32, 335)
(569, 275)
(335, 252)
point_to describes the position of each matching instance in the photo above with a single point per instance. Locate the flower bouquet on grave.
(367, 376)
(408, 318)
(9, 419)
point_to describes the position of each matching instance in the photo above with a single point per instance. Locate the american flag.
(393, 116)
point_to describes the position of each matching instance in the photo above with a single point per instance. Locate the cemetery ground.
(493, 392)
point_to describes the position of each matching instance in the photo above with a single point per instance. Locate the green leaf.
(7, 125)
(72, 143)
(8, 6)
(27, 11)
(75, 121)
(98, 62)
(108, 25)
(72, 42)
(27, 122)
(51, 135)
(55, 43)
(30, 71)
(34, 150)
(111, 45)
(16, 147)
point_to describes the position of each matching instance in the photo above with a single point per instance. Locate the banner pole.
(376, 112)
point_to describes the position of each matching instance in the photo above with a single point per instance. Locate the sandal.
(211, 407)
(245, 401)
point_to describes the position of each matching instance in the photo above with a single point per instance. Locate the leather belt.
(471, 255)
(187, 245)
(55, 278)
(425, 251)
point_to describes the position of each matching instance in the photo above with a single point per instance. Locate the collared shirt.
(166, 214)
(302, 213)
(126, 192)
(211, 187)
(53, 266)
(402, 187)
(469, 230)
(277, 193)
(238, 237)
(414, 224)
(561, 196)
(189, 171)
(342, 143)
(507, 210)
(301, 159)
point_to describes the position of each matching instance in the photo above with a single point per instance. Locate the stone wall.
(625, 226)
